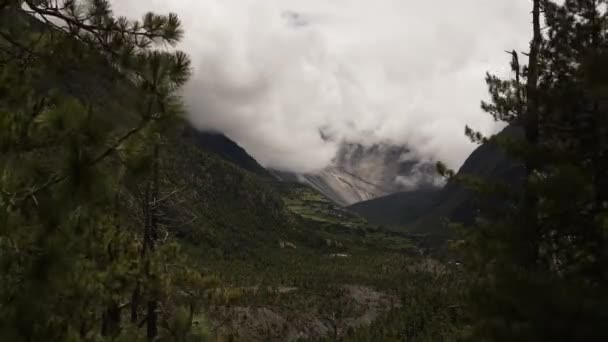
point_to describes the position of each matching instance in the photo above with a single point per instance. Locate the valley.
(318, 253)
(289, 193)
(199, 228)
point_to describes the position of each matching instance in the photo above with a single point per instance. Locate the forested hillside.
(121, 222)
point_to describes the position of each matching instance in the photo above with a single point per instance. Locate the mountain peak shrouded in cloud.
(291, 80)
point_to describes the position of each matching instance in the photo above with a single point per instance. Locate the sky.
(291, 80)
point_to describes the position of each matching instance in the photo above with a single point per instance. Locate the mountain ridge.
(224, 147)
(429, 211)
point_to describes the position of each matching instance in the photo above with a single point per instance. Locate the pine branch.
(169, 195)
(15, 43)
(62, 177)
(95, 30)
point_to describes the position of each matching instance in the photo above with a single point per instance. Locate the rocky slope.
(360, 173)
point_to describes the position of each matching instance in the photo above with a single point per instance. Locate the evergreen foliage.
(538, 258)
(76, 260)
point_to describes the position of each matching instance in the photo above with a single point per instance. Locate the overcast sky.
(290, 80)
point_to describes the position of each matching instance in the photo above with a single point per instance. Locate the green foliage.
(538, 260)
(430, 309)
(310, 204)
(76, 254)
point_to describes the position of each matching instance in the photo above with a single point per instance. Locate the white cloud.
(273, 74)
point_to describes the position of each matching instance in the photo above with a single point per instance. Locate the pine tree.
(85, 97)
(539, 262)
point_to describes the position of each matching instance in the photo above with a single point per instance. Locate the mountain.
(225, 148)
(360, 173)
(394, 209)
(424, 211)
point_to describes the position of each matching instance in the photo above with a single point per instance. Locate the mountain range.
(384, 185)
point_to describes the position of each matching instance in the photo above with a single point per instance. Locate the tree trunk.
(135, 304)
(531, 127)
(152, 320)
(600, 158)
(152, 316)
(111, 317)
(111, 320)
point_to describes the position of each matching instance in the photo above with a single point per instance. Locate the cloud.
(290, 80)
(420, 175)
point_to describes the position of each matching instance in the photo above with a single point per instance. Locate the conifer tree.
(539, 263)
(84, 96)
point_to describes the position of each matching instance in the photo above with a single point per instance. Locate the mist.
(291, 80)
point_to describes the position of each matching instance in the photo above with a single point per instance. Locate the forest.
(120, 221)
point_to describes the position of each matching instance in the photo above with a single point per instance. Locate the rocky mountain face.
(360, 173)
(425, 211)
